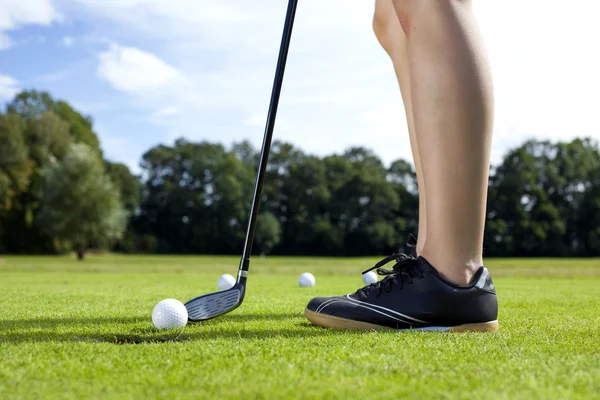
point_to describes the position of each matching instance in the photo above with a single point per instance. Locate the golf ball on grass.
(306, 280)
(370, 277)
(169, 314)
(225, 282)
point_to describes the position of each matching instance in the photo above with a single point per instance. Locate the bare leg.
(445, 82)
(452, 105)
(392, 38)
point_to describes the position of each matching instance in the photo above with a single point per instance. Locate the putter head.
(212, 305)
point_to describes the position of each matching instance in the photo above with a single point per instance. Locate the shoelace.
(411, 243)
(405, 269)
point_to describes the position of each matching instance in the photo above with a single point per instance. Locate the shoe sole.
(329, 321)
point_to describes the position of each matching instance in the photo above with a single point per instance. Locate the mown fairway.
(84, 330)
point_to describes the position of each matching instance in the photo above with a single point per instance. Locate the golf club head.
(212, 305)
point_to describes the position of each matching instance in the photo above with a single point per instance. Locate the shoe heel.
(491, 326)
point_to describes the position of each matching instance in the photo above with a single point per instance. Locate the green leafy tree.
(15, 168)
(47, 138)
(576, 164)
(80, 205)
(307, 229)
(246, 153)
(268, 232)
(588, 220)
(30, 105)
(129, 187)
(371, 204)
(48, 128)
(128, 184)
(15, 176)
(275, 198)
(403, 179)
(195, 198)
(521, 217)
(537, 196)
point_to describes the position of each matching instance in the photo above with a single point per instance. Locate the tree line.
(59, 194)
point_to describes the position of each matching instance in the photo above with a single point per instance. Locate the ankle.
(458, 272)
(419, 249)
(458, 275)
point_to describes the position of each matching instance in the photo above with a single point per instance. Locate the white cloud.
(320, 100)
(340, 88)
(134, 71)
(18, 12)
(51, 77)
(91, 107)
(167, 111)
(5, 42)
(67, 41)
(545, 71)
(15, 13)
(9, 87)
(182, 16)
(121, 150)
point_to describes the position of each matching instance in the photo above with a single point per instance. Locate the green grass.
(84, 330)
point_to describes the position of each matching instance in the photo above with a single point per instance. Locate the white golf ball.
(169, 314)
(370, 277)
(225, 282)
(306, 280)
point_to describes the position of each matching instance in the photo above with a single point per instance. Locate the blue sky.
(149, 71)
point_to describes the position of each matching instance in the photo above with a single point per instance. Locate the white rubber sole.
(329, 321)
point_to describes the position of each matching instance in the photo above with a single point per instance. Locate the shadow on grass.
(49, 323)
(216, 329)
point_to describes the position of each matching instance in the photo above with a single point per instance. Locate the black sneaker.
(411, 296)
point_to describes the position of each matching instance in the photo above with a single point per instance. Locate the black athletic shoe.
(411, 296)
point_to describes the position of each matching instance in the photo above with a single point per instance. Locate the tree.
(577, 165)
(275, 197)
(543, 198)
(30, 105)
(15, 168)
(521, 218)
(195, 198)
(536, 199)
(306, 229)
(80, 205)
(246, 153)
(47, 138)
(15, 175)
(588, 220)
(403, 178)
(48, 128)
(371, 225)
(268, 232)
(359, 210)
(128, 185)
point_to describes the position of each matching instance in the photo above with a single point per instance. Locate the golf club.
(214, 304)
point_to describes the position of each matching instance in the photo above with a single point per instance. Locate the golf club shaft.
(266, 146)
